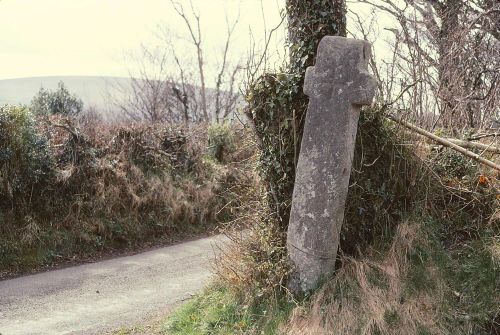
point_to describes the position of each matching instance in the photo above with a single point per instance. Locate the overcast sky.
(91, 37)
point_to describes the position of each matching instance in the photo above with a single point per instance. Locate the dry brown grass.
(121, 186)
(355, 302)
(253, 264)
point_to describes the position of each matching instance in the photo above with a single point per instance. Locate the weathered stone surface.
(337, 87)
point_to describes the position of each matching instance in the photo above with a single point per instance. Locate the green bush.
(220, 140)
(25, 162)
(60, 101)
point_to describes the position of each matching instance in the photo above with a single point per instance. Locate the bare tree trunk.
(218, 107)
(450, 47)
(448, 61)
(196, 39)
(202, 82)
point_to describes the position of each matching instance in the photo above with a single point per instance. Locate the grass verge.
(220, 311)
(417, 284)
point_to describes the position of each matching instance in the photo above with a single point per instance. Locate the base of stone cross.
(337, 86)
(308, 279)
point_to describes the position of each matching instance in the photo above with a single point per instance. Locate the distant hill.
(94, 91)
(99, 93)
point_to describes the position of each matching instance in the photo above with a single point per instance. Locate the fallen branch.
(474, 145)
(445, 142)
(480, 136)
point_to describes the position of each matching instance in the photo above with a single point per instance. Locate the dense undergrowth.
(69, 191)
(419, 253)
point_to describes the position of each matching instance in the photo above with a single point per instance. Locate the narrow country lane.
(95, 298)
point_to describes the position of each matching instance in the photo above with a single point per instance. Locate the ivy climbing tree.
(277, 104)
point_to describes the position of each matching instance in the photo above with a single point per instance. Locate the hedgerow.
(66, 192)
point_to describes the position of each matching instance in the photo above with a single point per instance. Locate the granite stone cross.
(337, 86)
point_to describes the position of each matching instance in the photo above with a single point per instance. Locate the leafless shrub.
(443, 70)
(172, 86)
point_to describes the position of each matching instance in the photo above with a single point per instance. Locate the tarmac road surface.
(99, 297)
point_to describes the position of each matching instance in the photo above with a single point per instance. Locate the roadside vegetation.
(74, 189)
(420, 243)
(420, 239)
(419, 253)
